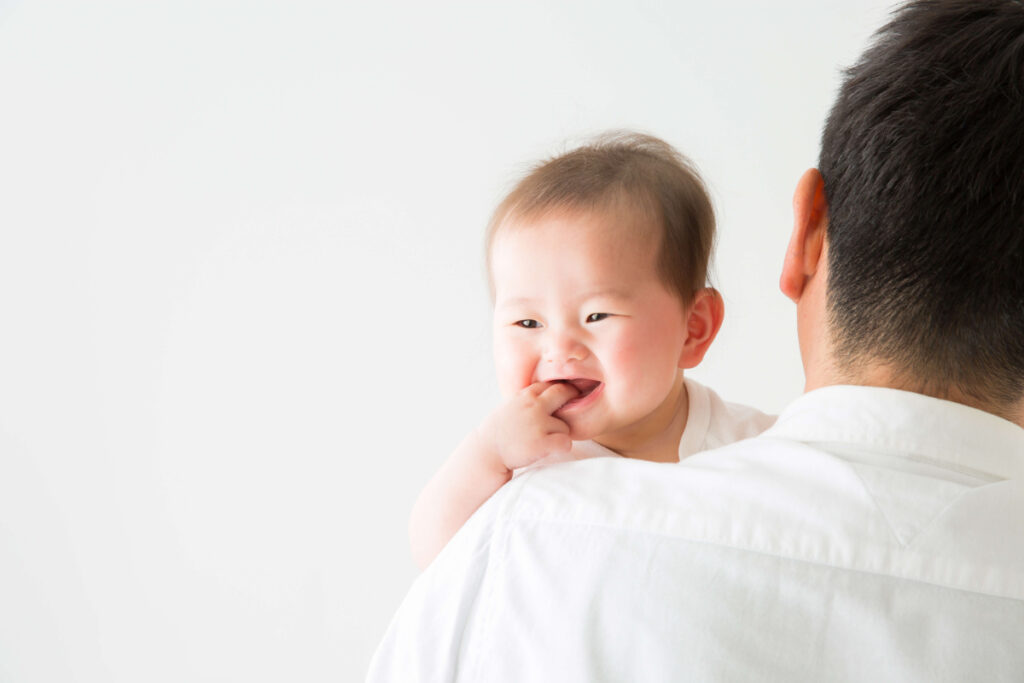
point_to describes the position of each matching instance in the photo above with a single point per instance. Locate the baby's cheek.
(513, 365)
(626, 350)
(639, 363)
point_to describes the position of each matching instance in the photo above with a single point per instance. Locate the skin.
(577, 297)
(803, 280)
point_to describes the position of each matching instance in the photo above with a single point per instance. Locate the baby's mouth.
(584, 386)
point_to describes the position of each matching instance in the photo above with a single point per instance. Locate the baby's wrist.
(486, 454)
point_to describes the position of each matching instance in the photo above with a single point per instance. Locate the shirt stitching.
(878, 506)
(768, 553)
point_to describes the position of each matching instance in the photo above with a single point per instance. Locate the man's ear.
(810, 220)
(703, 320)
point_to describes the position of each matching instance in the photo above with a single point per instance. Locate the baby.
(598, 264)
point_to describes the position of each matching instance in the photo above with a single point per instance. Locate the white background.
(242, 305)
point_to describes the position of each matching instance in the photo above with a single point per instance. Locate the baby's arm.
(520, 432)
(470, 475)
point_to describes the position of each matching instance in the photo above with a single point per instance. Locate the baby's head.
(598, 263)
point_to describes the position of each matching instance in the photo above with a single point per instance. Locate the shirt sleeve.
(425, 639)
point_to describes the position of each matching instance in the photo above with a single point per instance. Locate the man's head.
(922, 208)
(598, 260)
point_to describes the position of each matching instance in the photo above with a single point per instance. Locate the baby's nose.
(562, 348)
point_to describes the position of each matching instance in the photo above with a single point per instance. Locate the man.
(875, 532)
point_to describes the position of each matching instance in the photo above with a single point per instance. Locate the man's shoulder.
(863, 480)
(761, 480)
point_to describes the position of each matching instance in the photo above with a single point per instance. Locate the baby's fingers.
(556, 396)
(552, 425)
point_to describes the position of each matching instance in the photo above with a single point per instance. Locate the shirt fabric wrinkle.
(870, 534)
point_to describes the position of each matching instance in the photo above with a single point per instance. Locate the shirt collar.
(906, 424)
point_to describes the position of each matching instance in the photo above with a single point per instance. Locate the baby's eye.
(528, 324)
(596, 317)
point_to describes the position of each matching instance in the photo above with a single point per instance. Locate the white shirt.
(870, 535)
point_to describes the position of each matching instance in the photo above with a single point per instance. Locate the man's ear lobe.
(810, 220)
(703, 320)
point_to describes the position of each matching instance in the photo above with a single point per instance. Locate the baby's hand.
(523, 429)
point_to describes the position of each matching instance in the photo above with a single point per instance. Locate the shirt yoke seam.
(767, 553)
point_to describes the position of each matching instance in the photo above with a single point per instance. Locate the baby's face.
(578, 297)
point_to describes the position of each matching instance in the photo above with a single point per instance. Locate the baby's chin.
(592, 430)
(579, 431)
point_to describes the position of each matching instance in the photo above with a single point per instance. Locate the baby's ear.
(703, 320)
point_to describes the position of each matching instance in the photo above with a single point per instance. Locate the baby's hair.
(632, 170)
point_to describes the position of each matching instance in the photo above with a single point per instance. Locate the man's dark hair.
(923, 163)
